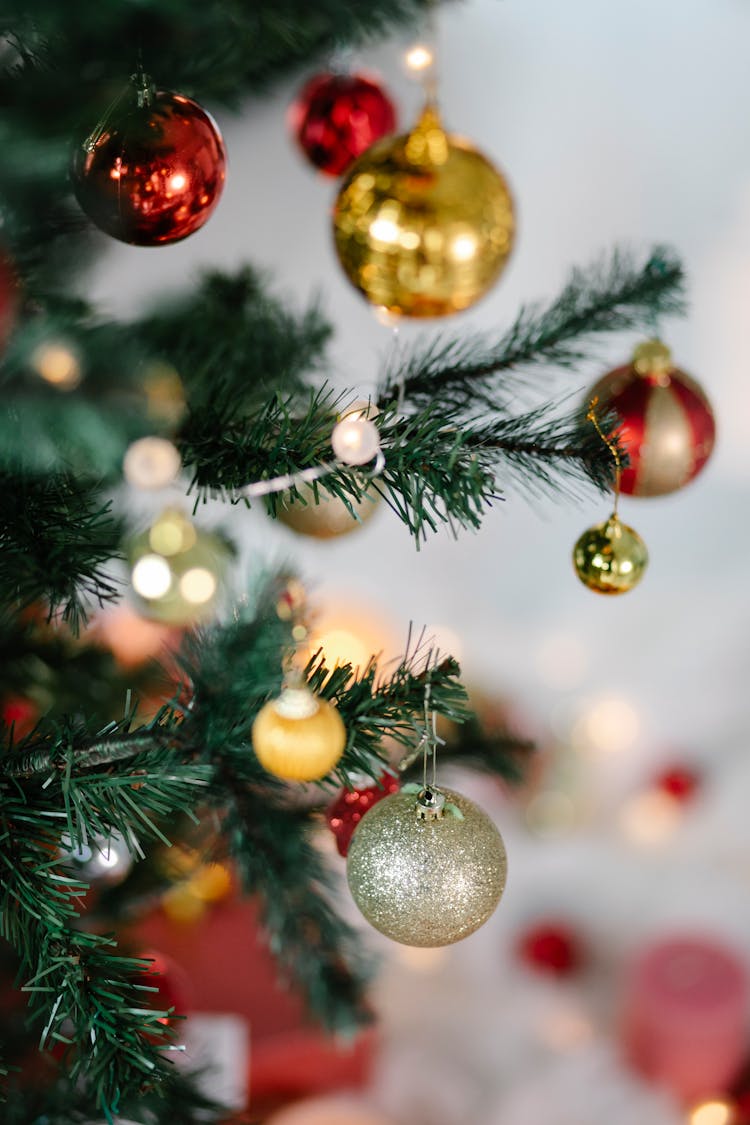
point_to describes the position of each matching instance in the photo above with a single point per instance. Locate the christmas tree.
(226, 375)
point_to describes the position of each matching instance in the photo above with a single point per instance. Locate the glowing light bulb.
(151, 462)
(419, 58)
(385, 317)
(711, 1113)
(171, 534)
(198, 585)
(178, 181)
(151, 576)
(610, 726)
(57, 364)
(650, 818)
(355, 440)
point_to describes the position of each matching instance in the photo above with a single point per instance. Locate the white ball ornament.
(355, 440)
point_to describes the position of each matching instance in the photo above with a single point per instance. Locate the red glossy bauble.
(667, 425)
(171, 983)
(551, 947)
(345, 813)
(336, 117)
(154, 171)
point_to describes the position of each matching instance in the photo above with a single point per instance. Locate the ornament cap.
(653, 358)
(427, 143)
(296, 702)
(430, 804)
(144, 87)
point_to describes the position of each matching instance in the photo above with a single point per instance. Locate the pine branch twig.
(609, 296)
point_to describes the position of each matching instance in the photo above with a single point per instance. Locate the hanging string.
(611, 446)
(421, 58)
(430, 738)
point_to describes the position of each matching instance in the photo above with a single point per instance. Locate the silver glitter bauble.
(425, 875)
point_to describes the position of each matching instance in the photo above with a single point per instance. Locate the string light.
(151, 576)
(151, 462)
(355, 440)
(198, 585)
(650, 818)
(715, 1112)
(610, 726)
(57, 364)
(419, 58)
(171, 534)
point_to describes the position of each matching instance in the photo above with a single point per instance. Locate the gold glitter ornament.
(423, 223)
(426, 869)
(299, 736)
(610, 558)
(328, 516)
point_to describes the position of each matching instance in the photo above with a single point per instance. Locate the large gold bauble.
(298, 737)
(610, 558)
(423, 223)
(328, 516)
(426, 882)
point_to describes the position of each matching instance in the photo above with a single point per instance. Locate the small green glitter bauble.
(426, 882)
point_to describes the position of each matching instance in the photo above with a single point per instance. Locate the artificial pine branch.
(223, 51)
(80, 990)
(56, 535)
(611, 295)
(234, 344)
(70, 780)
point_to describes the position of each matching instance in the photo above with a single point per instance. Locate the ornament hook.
(611, 446)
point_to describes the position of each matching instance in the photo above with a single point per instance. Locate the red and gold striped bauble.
(667, 425)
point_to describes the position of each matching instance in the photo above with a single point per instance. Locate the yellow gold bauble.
(328, 516)
(298, 736)
(610, 558)
(423, 223)
(426, 873)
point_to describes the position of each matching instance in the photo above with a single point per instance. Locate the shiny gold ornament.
(423, 873)
(176, 569)
(423, 223)
(298, 736)
(610, 558)
(328, 516)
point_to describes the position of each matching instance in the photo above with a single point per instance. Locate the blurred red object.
(344, 814)
(336, 117)
(171, 982)
(685, 1015)
(20, 713)
(230, 969)
(679, 782)
(551, 947)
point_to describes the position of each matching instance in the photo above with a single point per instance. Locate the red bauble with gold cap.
(153, 170)
(666, 423)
